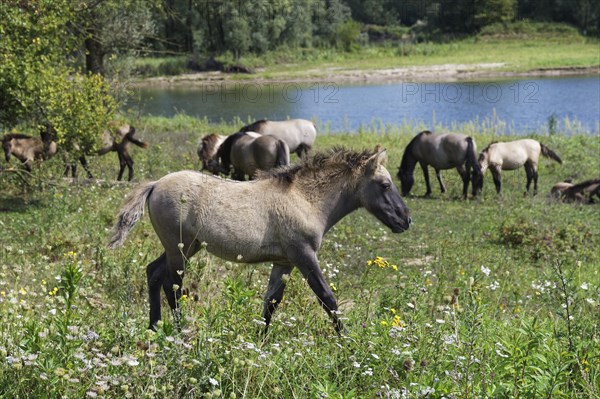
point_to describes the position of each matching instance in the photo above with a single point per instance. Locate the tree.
(39, 81)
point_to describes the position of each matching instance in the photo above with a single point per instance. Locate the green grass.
(476, 308)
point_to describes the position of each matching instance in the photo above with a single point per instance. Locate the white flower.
(375, 356)
(584, 286)
(356, 364)
(213, 382)
(132, 362)
(410, 305)
(485, 270)
(440, 321)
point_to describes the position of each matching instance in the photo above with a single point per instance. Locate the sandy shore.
(429, 73)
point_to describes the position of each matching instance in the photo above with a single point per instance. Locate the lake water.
(512, 106)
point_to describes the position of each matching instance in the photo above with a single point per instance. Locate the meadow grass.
(496, 297)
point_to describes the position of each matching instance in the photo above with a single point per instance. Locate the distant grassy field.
(495, 297)
(521, 47)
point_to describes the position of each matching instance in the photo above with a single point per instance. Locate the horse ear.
(379, 158)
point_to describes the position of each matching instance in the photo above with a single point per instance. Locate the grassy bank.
(495, 297)
(518, 47)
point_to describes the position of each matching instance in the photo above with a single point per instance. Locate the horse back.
(443, 151)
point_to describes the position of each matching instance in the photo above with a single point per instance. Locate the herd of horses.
(282, 214)
(28, 149)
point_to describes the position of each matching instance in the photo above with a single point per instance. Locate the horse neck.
(333, 202)
(409, 161)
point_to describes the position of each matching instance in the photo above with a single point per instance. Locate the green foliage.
(39, 85)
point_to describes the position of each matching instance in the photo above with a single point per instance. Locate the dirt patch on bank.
(429, 73)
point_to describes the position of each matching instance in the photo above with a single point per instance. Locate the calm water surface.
(513, 106)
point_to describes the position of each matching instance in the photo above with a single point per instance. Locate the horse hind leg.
(155, 273)
(426, 177)
(531, 176)
(438, 175)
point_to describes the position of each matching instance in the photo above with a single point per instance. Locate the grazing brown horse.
(249, 152)
(513, 155)
(26, 149)
(441, 151)
(207, 150)
(298, 134)
(280, 218)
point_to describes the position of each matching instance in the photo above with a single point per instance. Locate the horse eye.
(386, 186)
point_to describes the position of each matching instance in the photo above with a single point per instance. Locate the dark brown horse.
(119, 142)
(441, 151)
(583, 192)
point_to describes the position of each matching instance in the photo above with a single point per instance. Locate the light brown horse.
(298, 134)
(26, 149)
(249, 152)
(513, 155)
(441, 151)
(280, 218)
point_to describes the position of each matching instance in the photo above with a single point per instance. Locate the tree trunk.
(94, 54)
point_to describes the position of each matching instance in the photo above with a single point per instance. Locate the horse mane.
(254, 127)
(409, 149)
(486, 149)
(321, 167)
(11, 136)
(224, 152)
(582, 186)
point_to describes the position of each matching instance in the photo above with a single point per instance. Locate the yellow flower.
(383, 323)
(22, 291)
(397, 322)
(393, 310)
(333, 287)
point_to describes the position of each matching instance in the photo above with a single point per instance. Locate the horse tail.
(472, 161)
(283, 154)
(548, 153)
(130, 213)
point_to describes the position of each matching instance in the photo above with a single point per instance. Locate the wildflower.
(485, 270)
(239, 257)
(333, 287)
(175, 287)
(397, 322)
(393, 310)
(410, 305)
(584, 286)
(213, 382)
(180, 246)
(383, 323)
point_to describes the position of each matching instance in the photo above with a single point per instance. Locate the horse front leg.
(464, 174)
(84, 163)
(497, 178)
(306, 261)
(426, 177)
(438, 174)
(275, 289)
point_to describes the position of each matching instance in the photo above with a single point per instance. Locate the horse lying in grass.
(583, 192)
(280, 218)
(441, 151)
(249, 153)
(298, 134)
(513, 155)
